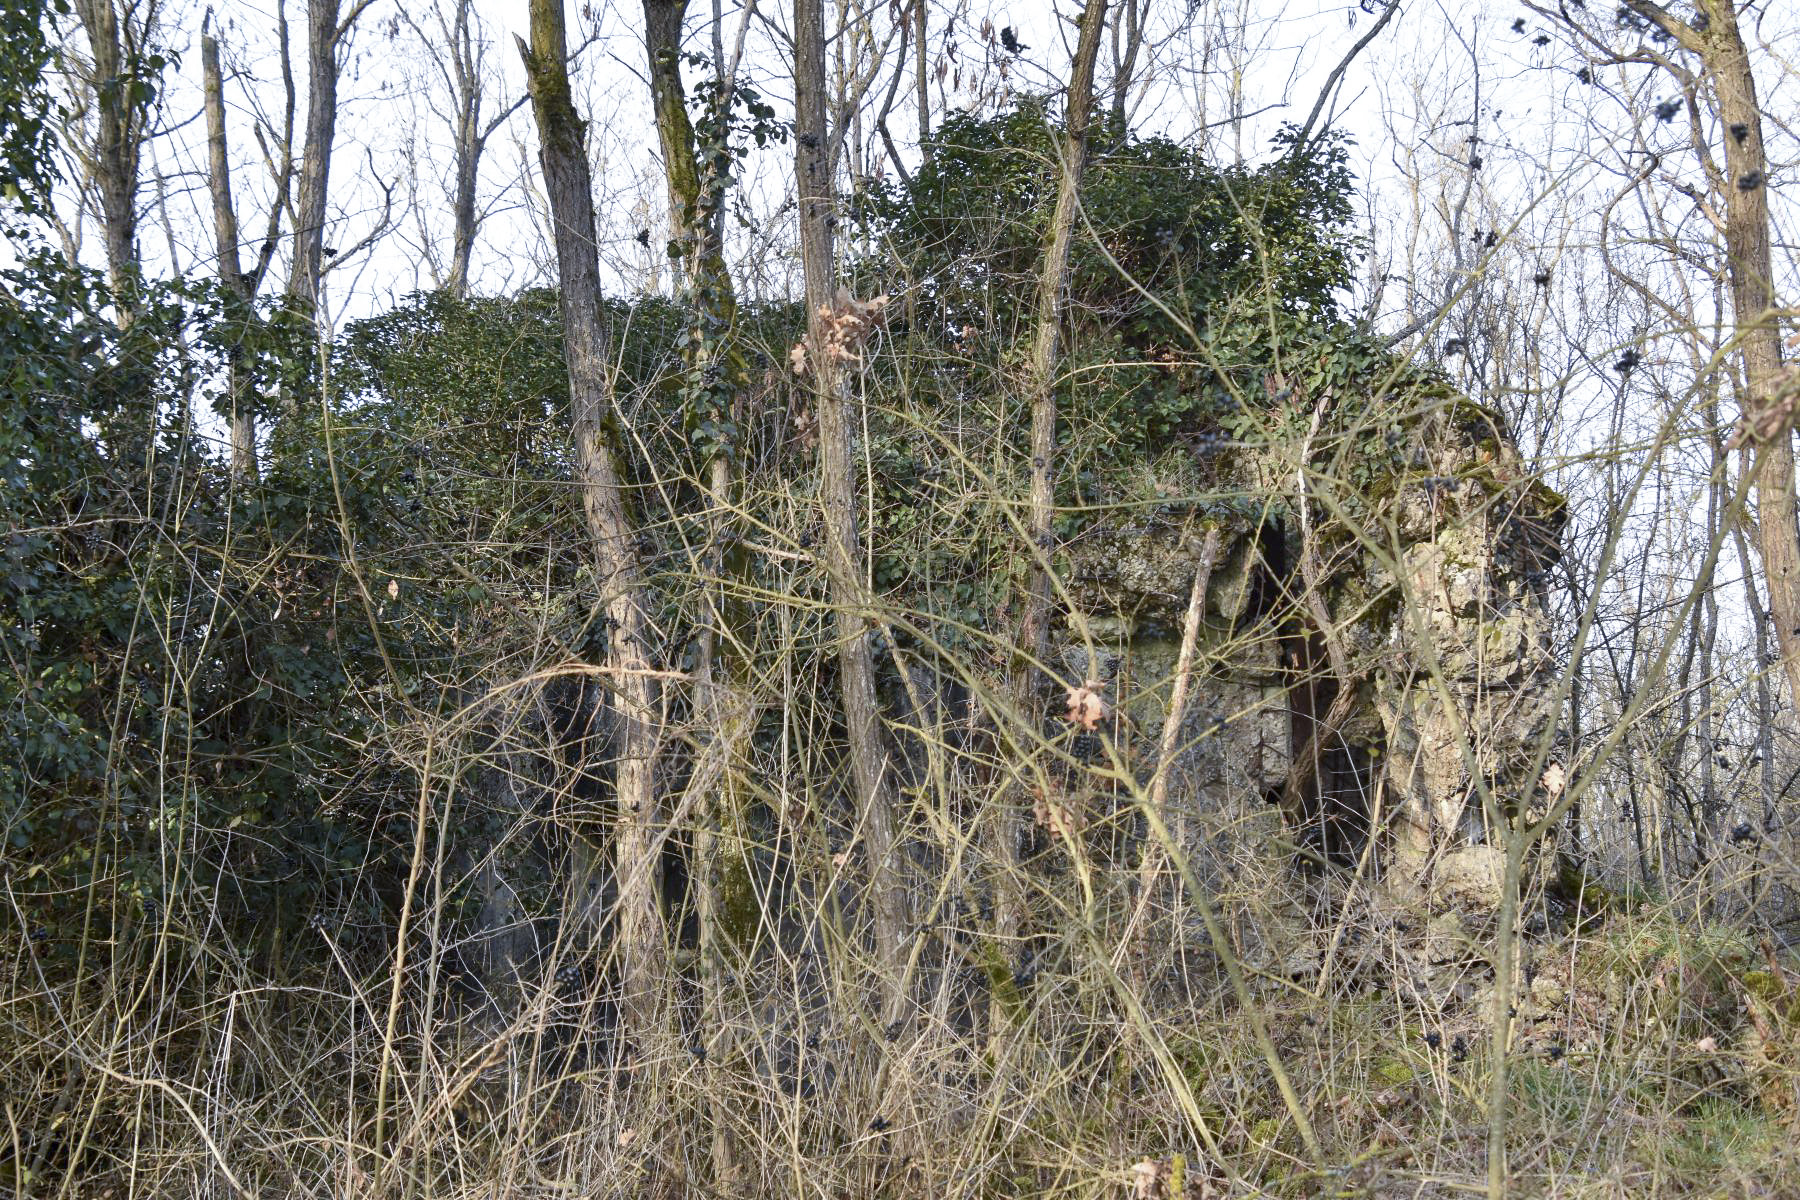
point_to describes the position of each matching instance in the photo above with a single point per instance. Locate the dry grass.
(1107, 1051)
(1649, 1059)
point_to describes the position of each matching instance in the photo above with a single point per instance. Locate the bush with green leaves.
(1180, 271)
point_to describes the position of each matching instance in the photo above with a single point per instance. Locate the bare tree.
(922, 75)
(697, 186)
(326, 33)
(1046, 346)
(859, 61)
(674, 129)
(1030, 679)
(587, 343)
(1127, 46)
(459, 52)
(1719, 77)
(830, 317)
(239, 284)
(120, 82)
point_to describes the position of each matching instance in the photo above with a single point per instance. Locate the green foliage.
(413, 510)
(1188, 282)
(85, 466)
(27, 135)
(187, 656)
(203, 669)
(1203, 315)
(1164, 232)
(729, 123)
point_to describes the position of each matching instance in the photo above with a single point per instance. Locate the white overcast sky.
(1446, 82)
(1553, 154)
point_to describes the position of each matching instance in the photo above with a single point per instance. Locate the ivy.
(28, 112)
(730, 122)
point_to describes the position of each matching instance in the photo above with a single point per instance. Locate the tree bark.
(1752, 295)
(695, 198)
(1749, 264)
(674, 131)
(465, 75)
(921, 77)
(1128, 43)
(1046, 347)
(586, 347)
(118, 140)
(1030, 682)
(877, 807)
(308, 261)
(232, 278)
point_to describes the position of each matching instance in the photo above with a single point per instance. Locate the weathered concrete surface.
(1431, 586)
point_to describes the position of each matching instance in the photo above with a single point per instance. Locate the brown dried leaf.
(1060, 819)
(1147, 1179)
(1087, 707)
(806, 429)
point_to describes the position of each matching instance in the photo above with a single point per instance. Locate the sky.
(391, 163)
(1223, 74)
(1487, 162)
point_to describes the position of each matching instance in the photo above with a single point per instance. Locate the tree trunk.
(315, 165)
(1720, 47)
(231, 272)
(921, 77)
(877, 815)
(462, 234)
(118, 140)
(465, 75)
(459, 51)
(1046, 348)
(674, 131)
(696, 192)
(1128, 43)
(1752, 275)
(586, 346)
(1030, 681)
(695, 198)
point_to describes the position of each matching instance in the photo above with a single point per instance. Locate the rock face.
(1375, 654)
(1466, 692)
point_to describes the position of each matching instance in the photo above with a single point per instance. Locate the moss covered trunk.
(876, 803)
(586, 342)
(1030, 683)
